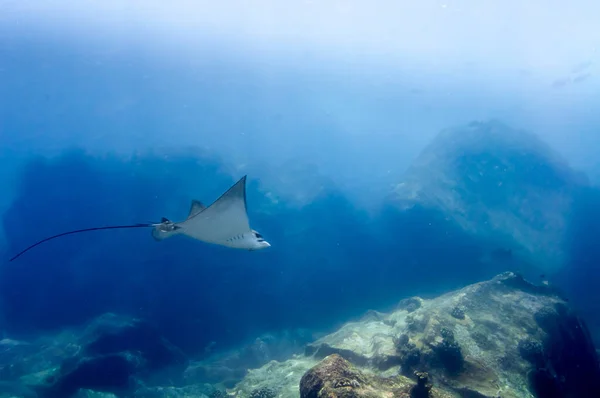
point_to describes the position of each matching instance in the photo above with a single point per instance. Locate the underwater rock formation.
(111, 373)
(336, 377)
(514, 339)
(508, 338)
(505, 189)
(230, 367)
(113, 354)
(111, 334)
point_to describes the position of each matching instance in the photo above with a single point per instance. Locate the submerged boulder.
(113, 354)
(227, 368)
(503, 337)
(505, 189)
(112, 334)
(111, 373)
(336, 377)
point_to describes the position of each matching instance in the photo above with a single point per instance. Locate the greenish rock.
(172, 392)
(94, 394)
(335, 377)
(281, 377)
(510, 332)
(227, 368)
(510, 339)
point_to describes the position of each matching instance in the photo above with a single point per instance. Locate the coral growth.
(335, 377)
(531, 351)
(263, 393)
(458, 313)
(423, 387)
(450, 356)
(409, 304)
(409, 354)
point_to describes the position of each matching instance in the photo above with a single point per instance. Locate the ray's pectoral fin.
(164, 230)
(223, 219)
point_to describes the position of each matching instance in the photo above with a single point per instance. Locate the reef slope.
(504, 337)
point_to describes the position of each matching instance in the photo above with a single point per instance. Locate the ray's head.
(258, 242)
(164, 230)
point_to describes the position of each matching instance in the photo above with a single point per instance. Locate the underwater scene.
(299, 199)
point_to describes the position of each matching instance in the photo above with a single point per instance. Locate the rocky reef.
(336, 377)
(504, 337)
(500, 188)
(500, 338)
(113, 354)
(227, 368)
(119, 356)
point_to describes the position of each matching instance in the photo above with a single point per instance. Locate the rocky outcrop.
(504, 189)
(228, 368)
(111, 373)
(113, 354)
(281, 378)
(503, 337)
(116, 356)
(336, 377)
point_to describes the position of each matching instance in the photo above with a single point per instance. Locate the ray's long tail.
(147, 225)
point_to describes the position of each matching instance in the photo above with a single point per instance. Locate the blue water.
(113, 129)
(329, 260)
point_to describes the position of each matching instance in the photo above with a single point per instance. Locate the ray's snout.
(265, 244)
(261, 243)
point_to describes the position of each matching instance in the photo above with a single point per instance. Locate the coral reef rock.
(112, 355)
(504, 337)
(336, 377)
(501, 187)
(227, 368)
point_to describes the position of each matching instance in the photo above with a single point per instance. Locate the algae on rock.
(336, 377)
(503, 337)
